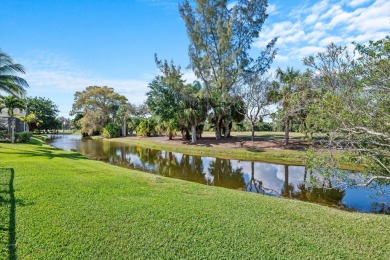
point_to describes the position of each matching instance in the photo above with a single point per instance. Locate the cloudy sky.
(66, 46)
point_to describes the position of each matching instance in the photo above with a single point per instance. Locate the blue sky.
(66, 46)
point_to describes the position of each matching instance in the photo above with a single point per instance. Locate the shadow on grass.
(254, 149)
(45, 152)
(7, 214)
(267, 137)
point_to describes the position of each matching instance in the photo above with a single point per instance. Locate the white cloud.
(373, 18)
(333, 11)
(355, 3)
(320, 7)
(302, 52)
(326, 41)
(189, 76)
(281, 58)
(311, 19)
(286, 32)
(308, 29)
(55, 77)
(271, 9)
(314, 36)
(294, 37)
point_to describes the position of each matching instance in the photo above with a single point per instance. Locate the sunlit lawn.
(70, 207)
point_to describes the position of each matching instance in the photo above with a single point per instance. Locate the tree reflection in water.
(225, 176)
(292, 182)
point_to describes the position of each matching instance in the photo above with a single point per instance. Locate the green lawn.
(64, 206)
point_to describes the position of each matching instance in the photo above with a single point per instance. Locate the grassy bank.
(63, 205)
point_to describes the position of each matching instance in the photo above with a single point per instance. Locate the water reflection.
(270, 179)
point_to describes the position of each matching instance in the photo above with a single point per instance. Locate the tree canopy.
(351, 101)
(45, 112)
(177, 105)
(11, 103)
(220, 40)
(98, 105)
(9, 82)
(256, 96)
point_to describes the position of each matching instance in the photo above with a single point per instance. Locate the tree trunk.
(227, 130)
(170, 135)
(124, 129)
(285, 186)
(13, 129)
(9, 125)
(286, 130)
(193, 134)
(253, 131)
(217, 129)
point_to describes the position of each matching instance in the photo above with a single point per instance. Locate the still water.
(266, 178)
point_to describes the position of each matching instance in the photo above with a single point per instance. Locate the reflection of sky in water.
(206, 162)
(362, 198)
(269, 177)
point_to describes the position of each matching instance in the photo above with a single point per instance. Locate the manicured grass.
(7, 214)
(70, 207)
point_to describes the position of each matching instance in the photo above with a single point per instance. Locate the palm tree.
(195, 108)
(12, 103)
(10, 83)
(287, 79)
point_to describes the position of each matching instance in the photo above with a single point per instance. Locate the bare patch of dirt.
(235, 142)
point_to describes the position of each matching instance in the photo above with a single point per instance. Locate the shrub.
(23, 137)
(147, 127)
(4, 136)
(111, 130)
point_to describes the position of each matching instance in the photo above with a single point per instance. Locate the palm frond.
(10, 83)
(10, 68)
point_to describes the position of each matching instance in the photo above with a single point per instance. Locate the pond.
(279, 180)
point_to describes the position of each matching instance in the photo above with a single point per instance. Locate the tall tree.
(165, 96)
(123, 114)
(353, 101)
(98, 105)
(45, 111)
(9, 82)
(175, 103)
(11, 103)
(256, 95)
(287, 88)
(195, 108)
(220, 40)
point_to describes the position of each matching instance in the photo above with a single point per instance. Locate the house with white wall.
(5, 120)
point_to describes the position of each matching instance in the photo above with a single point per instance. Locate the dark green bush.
(4, 136)
(23, 137)
(111, 130)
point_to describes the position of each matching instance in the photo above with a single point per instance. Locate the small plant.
(111, 130)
